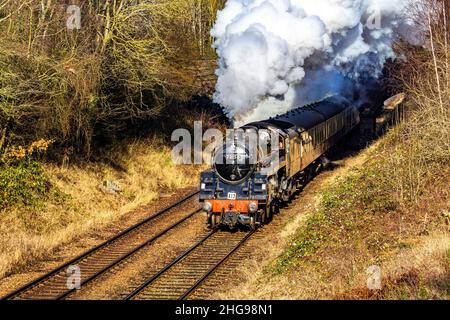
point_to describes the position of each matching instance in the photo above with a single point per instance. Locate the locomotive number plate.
(231, 195)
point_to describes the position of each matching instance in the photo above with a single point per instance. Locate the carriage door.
(300, 152)
(295, 153)
(288, 156)
(306, 149)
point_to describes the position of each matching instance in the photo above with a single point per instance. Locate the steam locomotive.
(238, 191)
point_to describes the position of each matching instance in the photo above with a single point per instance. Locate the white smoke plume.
(278, 54)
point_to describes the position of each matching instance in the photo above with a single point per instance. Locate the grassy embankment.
(392, 211)
(50, 205)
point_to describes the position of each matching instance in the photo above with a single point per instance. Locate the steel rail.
(105, 244)
(168, 266)
(129, 254)
(185, 254)
(213, 268)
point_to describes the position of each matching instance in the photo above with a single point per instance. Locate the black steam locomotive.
(237, 191)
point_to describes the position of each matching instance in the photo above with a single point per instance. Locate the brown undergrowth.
(393, 210)
(143, 172)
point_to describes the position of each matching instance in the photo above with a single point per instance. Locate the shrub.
(23, 181)
(129, 60)
(23, 184)
(373, 207)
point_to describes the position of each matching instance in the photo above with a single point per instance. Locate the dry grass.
(30, 234)
(255, 282)
(397, 198)
(366, 219)
(327, 258)
(149, 261)
(427, 262)
(392, 210)
(419, 272)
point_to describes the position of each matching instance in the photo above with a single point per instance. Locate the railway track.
(104, 257)
(180, 278)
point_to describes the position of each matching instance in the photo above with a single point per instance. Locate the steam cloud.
(279, 54)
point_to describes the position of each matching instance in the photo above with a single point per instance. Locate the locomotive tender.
(237, 191)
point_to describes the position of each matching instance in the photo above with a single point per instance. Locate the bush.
(129, 60)
(402, 173)
(23, 184)
(370, 210)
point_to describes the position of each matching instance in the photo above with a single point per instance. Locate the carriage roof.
(306, 117)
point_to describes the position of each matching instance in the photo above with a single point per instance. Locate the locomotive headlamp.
(207, 207)
(252, 207)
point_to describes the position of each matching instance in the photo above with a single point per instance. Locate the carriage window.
(282, 148)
